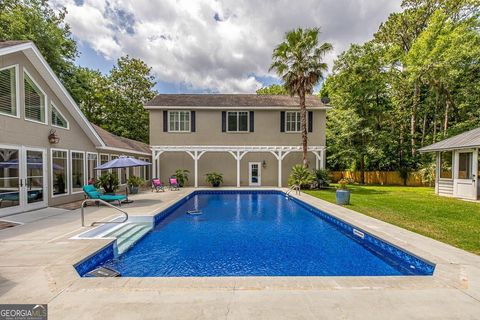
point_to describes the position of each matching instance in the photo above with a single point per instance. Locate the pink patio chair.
(157, 185)
(173, 184)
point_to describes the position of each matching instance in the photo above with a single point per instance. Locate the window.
(91, 164)
(292, 119)
(120, 172)
(58, 120)
(78, 168)
(59, 172)
(104, 158)
(147, 170)
(237, 121)
(9, 177)
(465, 165)
(179, 121)
(34, 100)
(8, 91)
(446, 160)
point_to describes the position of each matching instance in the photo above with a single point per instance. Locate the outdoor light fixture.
(53, 138)
(264, 164)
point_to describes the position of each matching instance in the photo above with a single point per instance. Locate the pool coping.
(447, 274)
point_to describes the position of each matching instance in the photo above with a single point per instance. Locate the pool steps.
(128, 234)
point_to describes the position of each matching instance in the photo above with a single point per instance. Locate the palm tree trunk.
(303, 120)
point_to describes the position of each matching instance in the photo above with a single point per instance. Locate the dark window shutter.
(165, 121)
(224, 121)
(252, 122)
(310, 121)
(193, 126)
(282, 121)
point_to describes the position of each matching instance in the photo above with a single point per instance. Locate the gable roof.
(162, 101)
(469, 139)
(115, 142)
(101, 138)
(35, 57)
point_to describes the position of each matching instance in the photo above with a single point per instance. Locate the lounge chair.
(93, 193)
(157, 185)
(173, 184)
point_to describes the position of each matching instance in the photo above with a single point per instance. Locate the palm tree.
(298, 61)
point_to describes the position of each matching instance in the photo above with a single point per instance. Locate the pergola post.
(238, 155)
(196, 156)
(279, 169)
(154, 162)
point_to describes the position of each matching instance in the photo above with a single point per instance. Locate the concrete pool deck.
(36, 266)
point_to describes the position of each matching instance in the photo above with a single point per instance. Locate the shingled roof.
(230, 100)
(114, 141)
(11, 43)
(469, 139)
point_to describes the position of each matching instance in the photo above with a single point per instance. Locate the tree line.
(113, 101)
(417, 81)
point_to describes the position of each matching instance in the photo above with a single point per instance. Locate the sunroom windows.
(8, 91)
(78, 171)
(35, 100)
(446, 164)
(59, 172)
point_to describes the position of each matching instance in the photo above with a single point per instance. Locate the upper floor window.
(292, 121)
(237, 121)
(58, 120)
(35, 100)
(179, 121)
(8, 91)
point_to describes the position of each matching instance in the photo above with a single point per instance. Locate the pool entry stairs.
(128, 234)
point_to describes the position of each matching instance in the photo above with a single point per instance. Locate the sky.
(210, 46)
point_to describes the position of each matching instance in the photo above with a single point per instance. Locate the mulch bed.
(7, 224)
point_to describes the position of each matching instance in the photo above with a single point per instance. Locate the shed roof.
(11, 43)
(230, 100)
(469, 139)
(114, 141)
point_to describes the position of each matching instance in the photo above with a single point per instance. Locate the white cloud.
(217, 45)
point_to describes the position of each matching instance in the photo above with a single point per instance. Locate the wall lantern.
(52, 137)
(264, 164)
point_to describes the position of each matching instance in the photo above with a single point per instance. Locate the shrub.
(301, 176)
(214, 178)
(323, 179)
(108, 181)
(182, 176)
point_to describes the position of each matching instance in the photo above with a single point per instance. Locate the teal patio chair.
(93, 193)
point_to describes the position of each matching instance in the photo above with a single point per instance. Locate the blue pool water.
(259, 234)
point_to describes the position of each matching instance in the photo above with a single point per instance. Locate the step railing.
(295, 188)
(82, 211)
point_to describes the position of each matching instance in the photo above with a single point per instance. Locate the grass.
(417, 209)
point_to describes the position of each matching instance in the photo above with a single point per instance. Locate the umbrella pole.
(126, 189)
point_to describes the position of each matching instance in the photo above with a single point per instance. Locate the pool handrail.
(82, 208)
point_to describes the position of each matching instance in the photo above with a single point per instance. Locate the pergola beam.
(238, 152)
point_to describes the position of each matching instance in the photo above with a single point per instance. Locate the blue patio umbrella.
(123, 162)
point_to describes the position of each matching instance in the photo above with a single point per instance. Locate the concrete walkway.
(36, 261)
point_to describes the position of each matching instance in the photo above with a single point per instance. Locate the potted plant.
(301, 176)
(134, 183)
(214, 178)
(108, 181)
(182, 176)
(343, 194)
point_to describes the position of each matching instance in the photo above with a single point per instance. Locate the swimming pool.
(255, 233)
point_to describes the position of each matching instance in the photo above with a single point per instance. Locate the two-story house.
(48, 149)
(253, 140)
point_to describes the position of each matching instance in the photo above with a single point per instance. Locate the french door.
(23, 181)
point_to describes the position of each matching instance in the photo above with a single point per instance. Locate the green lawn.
(452, 221)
